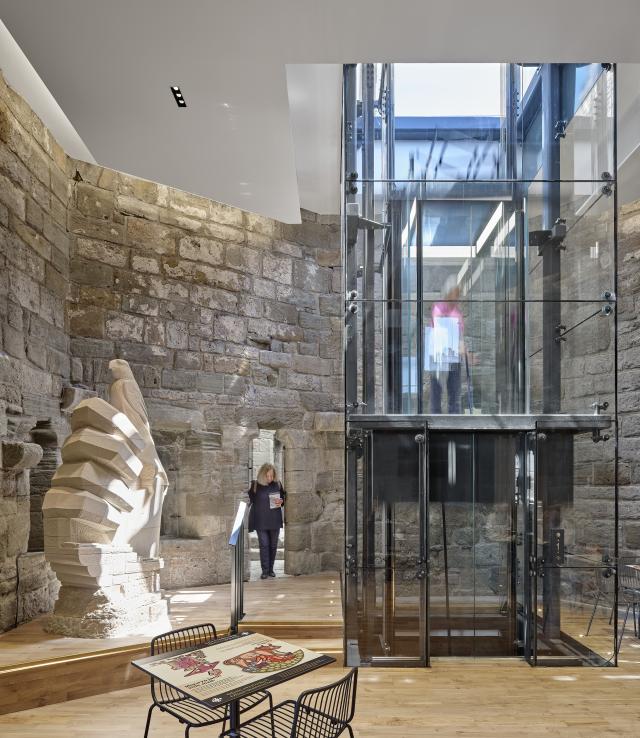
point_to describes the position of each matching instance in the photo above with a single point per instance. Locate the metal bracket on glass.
(352, 187)
(355, 223)
(354, 406)
(553, 237)
(560, 129)
(536, 567)
(349, 560)
(355, 438)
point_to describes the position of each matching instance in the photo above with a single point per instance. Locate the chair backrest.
(629, 583)
(192, 636)
(324, 712)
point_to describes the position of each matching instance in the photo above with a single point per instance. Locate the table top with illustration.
(232, 667)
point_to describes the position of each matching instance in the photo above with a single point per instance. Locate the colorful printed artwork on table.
(193, 663)
(265, 658)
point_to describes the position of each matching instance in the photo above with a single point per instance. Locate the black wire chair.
(629, 595)
(603, 593)
(317, 713)
(190, 712)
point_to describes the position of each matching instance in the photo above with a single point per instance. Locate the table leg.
(234, 719)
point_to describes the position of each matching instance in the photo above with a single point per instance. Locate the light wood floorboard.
(301, 600)
(453, 698)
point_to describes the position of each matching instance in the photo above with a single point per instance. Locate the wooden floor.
(304, 599)
(453, 698)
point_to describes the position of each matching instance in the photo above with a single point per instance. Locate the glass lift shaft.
(475, 305)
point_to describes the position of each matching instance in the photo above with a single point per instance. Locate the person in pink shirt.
(446, 348)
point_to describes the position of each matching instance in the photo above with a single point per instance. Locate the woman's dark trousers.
(268, 541)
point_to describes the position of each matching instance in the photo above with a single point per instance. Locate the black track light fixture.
(178, 96)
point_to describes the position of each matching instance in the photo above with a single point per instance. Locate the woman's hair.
(262, 474)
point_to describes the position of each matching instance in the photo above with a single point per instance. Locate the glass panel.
(471, 505)
(447, 121)
(566, 630)
(576, 525)
(580, 252)
(389, 559)
(571, 366)
(586, 149)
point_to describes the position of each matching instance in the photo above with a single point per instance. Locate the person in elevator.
(445, 348)
(266, 497)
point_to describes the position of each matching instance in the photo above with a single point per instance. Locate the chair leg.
(273, 725)
(186, 731)
(624, 624)
(595, 605)
(146, 729)
(350, 729)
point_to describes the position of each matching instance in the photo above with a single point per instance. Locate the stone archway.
(45, 436)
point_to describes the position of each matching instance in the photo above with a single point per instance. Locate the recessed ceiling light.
(178, 96)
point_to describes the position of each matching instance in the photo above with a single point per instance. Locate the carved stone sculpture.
(102, 517)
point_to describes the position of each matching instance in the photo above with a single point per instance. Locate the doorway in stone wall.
(266, 449)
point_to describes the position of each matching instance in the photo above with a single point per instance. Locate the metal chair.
(629, 595)
(188, 711)
(603, 592)
(317, 713)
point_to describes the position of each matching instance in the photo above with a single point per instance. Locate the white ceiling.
(261, 127)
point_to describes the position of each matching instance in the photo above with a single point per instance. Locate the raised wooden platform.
(37, 668)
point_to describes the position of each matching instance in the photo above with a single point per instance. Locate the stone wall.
(34, 361)
(230, 321)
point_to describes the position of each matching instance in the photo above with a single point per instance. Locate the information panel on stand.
(232, 667)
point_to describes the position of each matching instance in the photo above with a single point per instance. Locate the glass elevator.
(479, 251)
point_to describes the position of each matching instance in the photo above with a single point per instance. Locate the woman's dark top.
(261, 516)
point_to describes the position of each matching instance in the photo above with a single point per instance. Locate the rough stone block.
(140, 304)
(154, 332)
(101, 230)
(145, 264)
(264, 288)
(263, 331)
(91, 273)
(331, 305)
(151, 236)
(226, 214)
(329, 422)
(303, 382)
(25, 290)
(277, 268)
(281, 312)
(179, 379)
(201, 249)
(12, 197)
(122, 326)
(212, 298)
(188, 360)
(307, 275)
(230, 328)
(87, 321)
(93, 201)
(104, 252)
(302, 299)
(177, 334)
(141, 354)
(140, 189)
(238, 256)
(211, 383)
(290, 249)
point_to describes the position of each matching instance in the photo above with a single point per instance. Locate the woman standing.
(266, 497)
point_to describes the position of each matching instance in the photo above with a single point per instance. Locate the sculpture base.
(125, 599)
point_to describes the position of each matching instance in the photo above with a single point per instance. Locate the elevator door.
(386, 548)
(473, 543)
